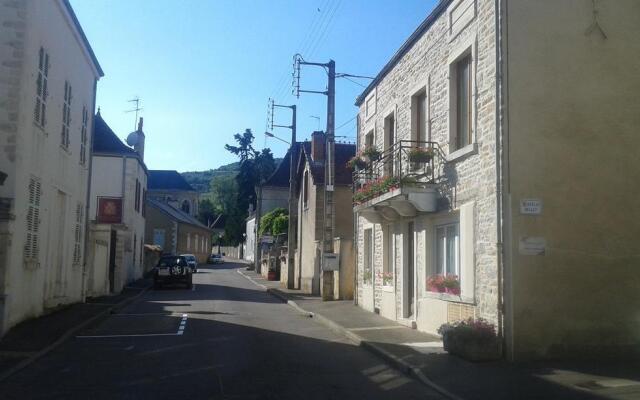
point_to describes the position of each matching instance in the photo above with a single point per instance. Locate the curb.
(68, 334)
(397, 362)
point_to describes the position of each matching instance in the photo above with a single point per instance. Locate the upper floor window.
(305, 189)
(368, 139)
(137, 198)
(32, 243)
(186, 207)
(419, 116)
(462, 103)
(389, 142)
(66, 116)
(42, 92)
(77, 235)
(83, 135)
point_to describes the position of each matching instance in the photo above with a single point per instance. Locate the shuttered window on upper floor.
(32, 242)
(42, 92)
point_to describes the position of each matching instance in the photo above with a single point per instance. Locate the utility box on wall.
(330, 262)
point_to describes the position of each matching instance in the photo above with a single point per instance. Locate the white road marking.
(121, 336)
(183, 324)
(193, 288)
(373, 328)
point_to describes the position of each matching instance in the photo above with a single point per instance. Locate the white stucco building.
(48, 76)
(116, 210)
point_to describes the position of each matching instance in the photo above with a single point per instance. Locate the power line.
(345, 123)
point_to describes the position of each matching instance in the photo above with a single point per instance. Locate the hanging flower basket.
(371, 154)
(356, 163)
(420, 156)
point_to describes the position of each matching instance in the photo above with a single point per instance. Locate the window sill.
(448, 297)
(65, 149)
(387, 288)
(31, 264)
(463, 152)
(40, 127)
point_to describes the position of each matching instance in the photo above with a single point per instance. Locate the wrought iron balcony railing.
(405, 163)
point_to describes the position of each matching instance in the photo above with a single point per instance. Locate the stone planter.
(471, 349)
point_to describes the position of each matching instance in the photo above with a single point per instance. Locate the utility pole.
(293, 209)
(328, 231)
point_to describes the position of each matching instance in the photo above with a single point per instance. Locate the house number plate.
(531, 206)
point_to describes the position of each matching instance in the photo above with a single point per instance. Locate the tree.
(272, 222)
(255, 168)
(206, 212)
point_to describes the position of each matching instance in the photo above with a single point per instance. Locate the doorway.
(410, 274)
(112, 260)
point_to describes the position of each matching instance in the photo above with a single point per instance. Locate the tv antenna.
(136, 109)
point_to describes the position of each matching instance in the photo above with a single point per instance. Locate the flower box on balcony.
(420, 156)
(356, 163)
(371, 154)
(473, 340)
(387, 278)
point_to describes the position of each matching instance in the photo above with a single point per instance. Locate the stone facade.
(468, 176)
(44, 197)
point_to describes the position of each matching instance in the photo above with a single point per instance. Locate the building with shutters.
(48, 77)
(503, 135)
(116, 210)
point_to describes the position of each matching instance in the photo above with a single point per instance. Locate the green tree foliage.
(206, 212)
(272, 222)
(255, 167)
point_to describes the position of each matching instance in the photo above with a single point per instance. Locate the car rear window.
(171, 261)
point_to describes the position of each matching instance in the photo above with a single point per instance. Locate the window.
(141, 249)
(195, 241)
(32, 244)
(77, 246)
(419, 116)
(137, 198)
(144, 202)
(389, 141)
(42, 92)
(66, 116)
(83, 136)
(188, 241)
(463, 102)
(448, 249)
(368, 255)
(158, 237)
(305, 189)
(388, 266)
(135, 247)
(185, 206)
(368, 139)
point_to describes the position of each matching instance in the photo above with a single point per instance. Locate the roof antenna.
(595, 25)
(136, 109)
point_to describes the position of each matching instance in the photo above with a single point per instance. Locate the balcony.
(401, 181)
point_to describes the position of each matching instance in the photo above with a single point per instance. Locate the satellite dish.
(133, 138)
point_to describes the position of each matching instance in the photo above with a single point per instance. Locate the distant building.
(309, 232)
(48, 77)
(169, 186)
(177, 232)
(117, 211)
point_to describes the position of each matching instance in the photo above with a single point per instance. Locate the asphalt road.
(225, 339)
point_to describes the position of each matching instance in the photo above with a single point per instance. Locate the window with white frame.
(448, 249)
(388, 267)
(83, 135)
(77, 235)
(32, 243)
(42, 92)
(367, 255)
(66, 116)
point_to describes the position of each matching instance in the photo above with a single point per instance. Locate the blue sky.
(206, 69)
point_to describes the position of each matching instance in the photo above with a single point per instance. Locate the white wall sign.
(533, 246)
(531, 206)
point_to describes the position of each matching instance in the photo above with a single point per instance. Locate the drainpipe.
(83, 288)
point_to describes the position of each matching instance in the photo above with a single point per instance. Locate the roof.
(280, 176)
(343, 153)
(167, 180)
(94, 59)
(406, 46)
(176, 214)
(106, 141)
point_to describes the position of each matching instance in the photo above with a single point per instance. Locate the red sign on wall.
(109, 210)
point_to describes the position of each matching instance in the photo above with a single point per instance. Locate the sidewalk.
(33, 338)
(421, 355)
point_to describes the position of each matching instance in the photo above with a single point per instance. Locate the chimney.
(318, 143)
(139, 146)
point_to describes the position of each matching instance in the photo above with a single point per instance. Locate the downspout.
(501, 172)
(83, 289)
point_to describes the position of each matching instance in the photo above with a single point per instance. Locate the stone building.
(310, 200)
(177, 232)
(48, 77)
(170, 187)
(116, 210)
(504, 129)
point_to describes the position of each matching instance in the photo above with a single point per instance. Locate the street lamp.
(271, 135)
(219, 241)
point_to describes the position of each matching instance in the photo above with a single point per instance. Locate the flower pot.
(482, 349)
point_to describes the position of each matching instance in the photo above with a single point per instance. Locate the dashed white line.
(183, 324)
